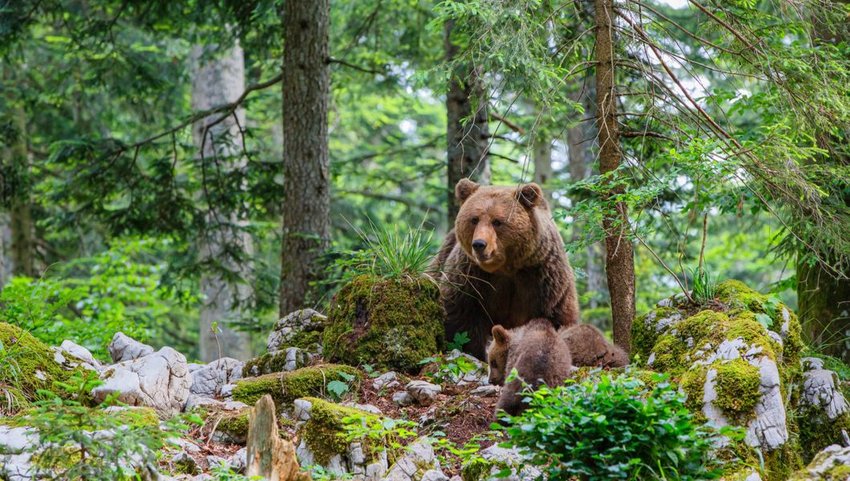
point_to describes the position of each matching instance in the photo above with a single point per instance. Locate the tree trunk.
(467, 132)
(542, 157)
(824, 310)
(306, 203)
(16, 188)
(216, 81)
(619, 257)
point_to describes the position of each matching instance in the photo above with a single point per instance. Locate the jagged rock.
(226, 391)
(209, 379)
(485, 391)
(387, 380)
(824, 413)
(477, 374)
(319, 425)
(417, 460)
(423, 392)
(493, 460)
(125, 348)
(81, 353)
(434, 475)
(184, 463)
(285, 360)
(403, 398)
(239, 461)
(160, 380)
(302, 328)
(831, 464)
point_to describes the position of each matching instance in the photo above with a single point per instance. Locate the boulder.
(418, 463)
(831, 464)
(423, 392)
(321, 431)
(209, 379)
(386, 380)
(288, 359)
(285, 387)
(75, 351)
(125, 348)
(159, 380)
(301, 329)
(824, 413)
(495, 460)
(387, 323)
(736, 362)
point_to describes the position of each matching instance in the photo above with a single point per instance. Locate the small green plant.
(449, 370)
(76, 442)
(378, 433)
(320, 473)
(11, 395)
(461, 339)
(223, 472)
(705, 285)
(615, 427)
(339, 387)
(397, 251)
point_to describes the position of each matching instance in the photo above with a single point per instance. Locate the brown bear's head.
(497, 226)
(497, 355)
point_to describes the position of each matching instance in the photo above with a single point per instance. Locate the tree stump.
(270, 456)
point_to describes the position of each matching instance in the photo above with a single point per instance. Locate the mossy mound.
(324, 433)
(277, 361)
(388, 323)
(285, 387)
(27, 365)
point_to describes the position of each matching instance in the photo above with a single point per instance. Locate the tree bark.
(542, 157)
(216, 81)
(619, 257)
(306, 203)
(467, 131)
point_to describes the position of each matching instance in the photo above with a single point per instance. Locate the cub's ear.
(464, 189)
(501, 335)
(530, 195)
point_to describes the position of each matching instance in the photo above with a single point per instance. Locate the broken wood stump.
(269, 456)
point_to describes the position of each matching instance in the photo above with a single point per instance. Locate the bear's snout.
(479, 245)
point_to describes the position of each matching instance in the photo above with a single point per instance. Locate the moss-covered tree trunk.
(619, 256)
(467, 132)
(307, 180)
(824, 309)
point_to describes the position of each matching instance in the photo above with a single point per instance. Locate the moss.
(693, 384)
(818, 432)
(781, 463)
(139, 417)
(324, 433)
(738, 392)
(235, 424)
(27, 365)
(644, 333)
(388, 323)
(476, 469)
(269, 362)
(289, 386)
(673, 349)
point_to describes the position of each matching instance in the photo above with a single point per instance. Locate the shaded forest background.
(187, 172)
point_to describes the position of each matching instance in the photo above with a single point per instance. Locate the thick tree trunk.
(16, 189)
(542, 157)
(824, 309)
(219, 79)
(467, 132)
(306, 205)
(619, 257)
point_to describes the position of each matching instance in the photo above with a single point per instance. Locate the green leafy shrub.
(615, 427)
(705, 285)
(76, 442)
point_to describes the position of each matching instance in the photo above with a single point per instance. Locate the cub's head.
(497, 226)
(497, 355)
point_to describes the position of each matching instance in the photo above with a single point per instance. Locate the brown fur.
(523, 273)
(537, 353)
(590, 348)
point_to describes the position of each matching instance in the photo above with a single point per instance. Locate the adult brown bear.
(503, 263)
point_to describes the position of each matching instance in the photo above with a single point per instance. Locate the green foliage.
(378, 433)
(615, 427)
(81, 443)
(448, 369)
(89, 299)
(705, 285)
(460, 340)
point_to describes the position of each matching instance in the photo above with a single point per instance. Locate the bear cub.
(536, 351)
(589, 347)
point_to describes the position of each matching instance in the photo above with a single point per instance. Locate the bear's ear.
(464, 189)
(530, 195)
(501, 335)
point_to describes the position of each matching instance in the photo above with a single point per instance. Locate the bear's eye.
(474, 221)
(496, 222)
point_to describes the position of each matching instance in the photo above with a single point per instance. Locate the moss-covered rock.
(27, 365)
(831, 464)
(286, 360)
(823, 412)
(388, 323)
(737, 362)
(285, 387)
(302, 329)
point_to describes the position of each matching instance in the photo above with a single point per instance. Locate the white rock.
(434, 475)
(160, 380)
(419, 456)
(485, 391)
(820, 389)
(423, 392)
(521, 468)
(384, 380)
(80, 353)
(369, 408)
(124, 348)
(294, 323)
(823, 462)
(239, 461)
(209, 379)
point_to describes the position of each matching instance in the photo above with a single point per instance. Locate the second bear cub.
(589, 347)
(536, 351)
